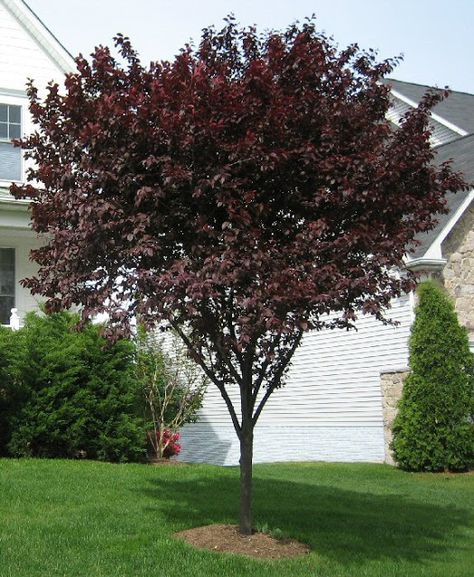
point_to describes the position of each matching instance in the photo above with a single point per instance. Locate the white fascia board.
(27, 18)
(434, 116)
(456, 216)
(433, 258)
(434, 254)
(17, 232)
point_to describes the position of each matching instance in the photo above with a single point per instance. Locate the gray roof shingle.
(457, 109)
(461, 152)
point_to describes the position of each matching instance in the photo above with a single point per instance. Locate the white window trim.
(17, 98)
(9, 141)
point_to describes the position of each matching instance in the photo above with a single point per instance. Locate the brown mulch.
(226, 538)
(166, 462)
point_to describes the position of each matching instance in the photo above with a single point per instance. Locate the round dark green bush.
(433, 430)
(82, 400)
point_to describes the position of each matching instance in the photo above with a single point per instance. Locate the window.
(10, 128)
(7, 284)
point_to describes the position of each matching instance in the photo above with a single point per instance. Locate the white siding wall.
(21, 56)
(330, 408)
(27, 50)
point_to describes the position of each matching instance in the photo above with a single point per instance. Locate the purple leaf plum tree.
(244, 193)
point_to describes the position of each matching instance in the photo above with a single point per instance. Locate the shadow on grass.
(347, 526)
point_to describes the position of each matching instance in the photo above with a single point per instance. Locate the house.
(27, 50)
(342, 388)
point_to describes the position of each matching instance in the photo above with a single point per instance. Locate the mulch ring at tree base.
(227, 539)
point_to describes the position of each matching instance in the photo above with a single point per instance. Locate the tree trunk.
(246, 457)
(160, 448)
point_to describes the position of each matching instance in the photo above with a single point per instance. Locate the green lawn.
(71, 518)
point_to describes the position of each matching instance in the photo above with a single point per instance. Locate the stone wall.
(458, 274)
(391, 384)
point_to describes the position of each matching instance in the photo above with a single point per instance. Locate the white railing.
(14, 320)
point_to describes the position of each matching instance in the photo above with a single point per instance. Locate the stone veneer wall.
(458, 274)
(391, 383)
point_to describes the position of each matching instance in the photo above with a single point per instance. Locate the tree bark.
(246, 458)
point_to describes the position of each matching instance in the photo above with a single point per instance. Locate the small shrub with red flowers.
(166, 441)
(173, 389)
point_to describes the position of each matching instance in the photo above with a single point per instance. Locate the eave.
(45, 38)
(433, 258)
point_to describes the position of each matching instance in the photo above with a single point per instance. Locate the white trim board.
(434, 116)
(33, 25)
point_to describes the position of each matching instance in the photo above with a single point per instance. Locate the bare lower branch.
(229, 315)
(264, 368)
(219, 384)
(276, 377)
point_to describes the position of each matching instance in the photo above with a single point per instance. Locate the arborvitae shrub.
(82, 400)
(433, 430)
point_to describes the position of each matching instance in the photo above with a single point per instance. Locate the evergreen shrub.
(71, 394)
(13, 393)
(433, 430)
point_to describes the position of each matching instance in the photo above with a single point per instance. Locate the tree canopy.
(246, 192)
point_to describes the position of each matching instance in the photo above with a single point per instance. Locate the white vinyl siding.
(27, 50)
(21, 56)
(330, 408)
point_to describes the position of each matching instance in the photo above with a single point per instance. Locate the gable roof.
(456, 110)
(47, 29)
(27, 48)
(461, 153)
(25, 16)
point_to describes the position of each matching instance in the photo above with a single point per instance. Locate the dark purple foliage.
(240, 193)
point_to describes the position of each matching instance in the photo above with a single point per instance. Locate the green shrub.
(13, 393)
(82, 397)
(173, 387)
(433, 430)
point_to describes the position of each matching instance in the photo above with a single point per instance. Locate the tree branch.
(276, 378)
(264, 368)
(220, 349)
(219, 384)
(230, 324)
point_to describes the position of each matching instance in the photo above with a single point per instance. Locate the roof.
(457, 109)
(461, 152)
(55, 38)
(37, 29)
